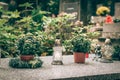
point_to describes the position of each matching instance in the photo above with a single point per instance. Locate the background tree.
(45, 5)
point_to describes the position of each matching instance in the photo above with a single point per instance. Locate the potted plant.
(29, 45)
(81, 45)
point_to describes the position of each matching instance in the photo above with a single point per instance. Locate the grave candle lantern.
(57, 55)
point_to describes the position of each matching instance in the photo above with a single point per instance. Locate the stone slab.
(4, 5)
(91, 70)
(115, 27)
(111, 30)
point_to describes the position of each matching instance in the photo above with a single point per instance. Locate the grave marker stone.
(70, 6)
(117, 9)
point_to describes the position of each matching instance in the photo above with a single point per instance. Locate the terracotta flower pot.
(79, 57)
(26, 57)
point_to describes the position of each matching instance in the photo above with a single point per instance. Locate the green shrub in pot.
(29, 44)
(81, 45)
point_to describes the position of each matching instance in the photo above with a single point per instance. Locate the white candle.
(57, 55)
